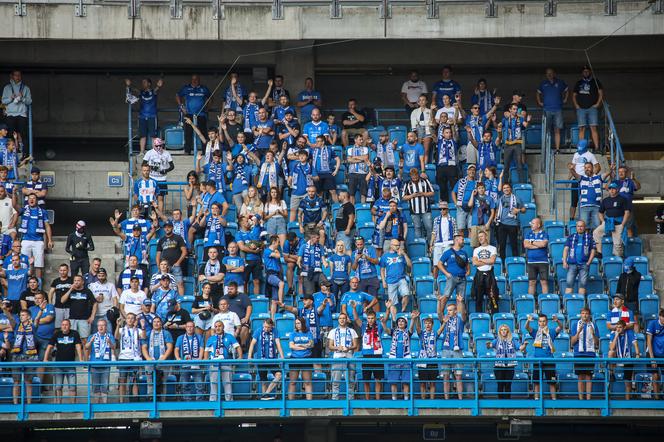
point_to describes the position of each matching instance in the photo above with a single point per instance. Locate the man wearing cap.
(551, 95)
(162, 297)
(581, 157)
(82, 308)
(620, 312)
(35, 231)
(587, 97)
(106, 295)
(132, 298)
(614, 212)
(442, 236)
(455, 265)
(461, 194)
(590, 194)
(160, 162)
(79, 243)
(172, 249)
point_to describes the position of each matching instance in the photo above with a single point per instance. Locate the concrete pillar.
(316, 430)
(295, 65)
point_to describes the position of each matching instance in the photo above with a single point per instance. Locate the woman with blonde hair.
(506, 347)
(339, 263)
(252, 206)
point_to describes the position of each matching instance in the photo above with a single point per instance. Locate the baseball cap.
(158, 142)
(136, 227)
(308, 296)
(168, 223)
(134, 277)
(165, 276)
(472, 165)
(619, 296)
(35, 170)
(147, 302)
(613, 185)
(444, 205)
(326, 284)
(102, 270)
(80, 224)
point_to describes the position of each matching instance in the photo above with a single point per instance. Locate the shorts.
(312, 285)
(317, 350)
(276, 226)
(301, 367)
(60, 314)
(81, 326)
(176, 271)
(587, 117)
(265, 370)
(438, 250)
(373, 371)
(162, 188)
(203, 324)
(272, 282)
(34, 249)
(65, 375)
(428, 373)
(457, 367)
(147, 127)
(370, 286)
(554, 119)
(398, 373)
(536, 269)
(127, 373)
(627, 370)
(295, 200)
(253, 270)
(357, 182)
(42, 343)
(581, 368)
(7, 230)
(397, 291)
(463, 219)
(18, 371)
(574, 270)
(354, 131)
(325, 182)
(549, 371)
(422, 132)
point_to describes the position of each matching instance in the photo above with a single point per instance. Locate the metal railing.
(615, 148)
(91, 388)
(563, 187)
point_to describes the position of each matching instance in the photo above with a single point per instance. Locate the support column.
(316, 430)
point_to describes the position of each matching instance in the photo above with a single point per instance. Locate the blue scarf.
(190, 347)
(585, 245)
(450, 230)
(505, 349)
(322, 159)
(586, 342)
(269, 171)
(386, 154)
(136, 247)
(10, 159)
(178, 229)
(590, 190)
(610, 227)
(100, 346)
(463, 183)
(453, 326)
(348, 338)
(312, 317)
(215, 232)
(486, 155)
(240, 178)
(156, 341)
(25, 333)
(398, 334)
(216, 173)
(428, 344)
(312, 257)
(268, 350)
(513, 129)
(250, 115)
(33, 212)
(305, 170)
(446, 152)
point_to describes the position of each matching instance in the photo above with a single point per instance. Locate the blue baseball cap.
(613, 185)
(582, 146)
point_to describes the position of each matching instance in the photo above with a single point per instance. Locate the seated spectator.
(614, 212)
(655, 346)
(266, 345)
(82, 308)
(399, 374)
(100, 347)
(334, 130)
(128, 336)
(240, 304)
(624, 346)
(628, 283)
(190, 347)
(343, 342)
(536, 245)
(66, 344)
(300, 342)
(585, 339)
(454, 264)
(506, 347)
(311, 258)
(484, 282)
(578, 254)
(157, 346)
(544, 348)
(35, 231)
(620, 312)
(393, 268)
(507, 221)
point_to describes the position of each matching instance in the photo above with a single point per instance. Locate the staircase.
(654, 249)
(108, 248)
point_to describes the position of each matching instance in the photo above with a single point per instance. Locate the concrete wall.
(110, 21)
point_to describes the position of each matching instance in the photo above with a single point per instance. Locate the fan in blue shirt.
(412, 155)
(353, 302)
(195, 95)
(446, 86)
(312, 208)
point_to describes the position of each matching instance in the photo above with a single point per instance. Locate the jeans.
(99, 377)
(446, 178)
(226, 376)
(423, 225)
(65, 375)
(587, 117)
(455, 284)
(590, 215)
(337, 375)
(574, 270)
(504, 378)
(505, 231)
(192, 383)
(509, 151)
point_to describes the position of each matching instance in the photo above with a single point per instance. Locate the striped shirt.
(419, 204)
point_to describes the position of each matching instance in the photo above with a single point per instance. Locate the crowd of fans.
(300, 238)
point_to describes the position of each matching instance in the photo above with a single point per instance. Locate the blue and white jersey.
(146, 191)
(195, 97)
(590, 191)
(312, 130)
(127, 226)
(356, 151)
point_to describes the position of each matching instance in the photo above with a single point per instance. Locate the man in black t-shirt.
(82, 307)
(59, 287)
(67, 345)
(345, 220)
(614, 212)
(176, 319)
(353, 121)
(240, 304)
(173, 249)
(213, 271)
(28, 295)
(587, 98)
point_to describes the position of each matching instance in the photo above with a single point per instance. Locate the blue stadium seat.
(530, 213)
(199, 248)
(556, 247)
(601, 323)
(593, 270)
(607, 247)
(489, 385)
(649, 306)
(573, 303)
(318, 383)
(260, 304)
(514, 174)
(562, 342)
(479, 323)
(363, 214)
(481, 340)
(257, 321)
(515, 266)
(501, 281)
(646, 286)
(498, 267)
(366, 230)
(613, 286)
(612, 266)
(231, 214)
(503, 318)
(242, 383)
(428, 304)
(374, 134)
(641, 264)
(430, 170)
(519, 285)
(231, 228)
(548, 303)
(598, 304)
(533, 135)
(421, 266)
(520, 386)
(524, 192)
(568, 385)
(423, 286)
(504, 303)
(595, 284)
(523, 304)
(285, 323)
(187, 301)
(417, 248)
(398, 133)
(340, 177)
(152, 250)
(634, 247)
(555, 229)
(467, 248)
(189, 285)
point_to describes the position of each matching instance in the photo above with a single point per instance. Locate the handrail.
(615, 147)
(573, 185)
(30, 136)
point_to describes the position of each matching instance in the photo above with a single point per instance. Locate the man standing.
(343, 341)
(463, 191)
(393, 226)
(357, 157)
(344, 223)
(160, 162)
(512, 132)
(586, 344)
(509, 206)
(447, 172)
(219, 347)
(655, 345)
(59, 287)
(240, 304)
(411, 91)
(442, 237)
(17, 98)
(310, 259)
(543, 343)
(190, 347)
(455, 265)
(267, 346)
(483, 210)
(326, 165)
(354, 121)
(418, 193)
(590, 194)
(312, 214)
(552, 93)
(393, 267)
(453, 325)
(363, 262)
(484, 282)
(172, 249)
(614, 212)
(446, 86)
(536, 245)
(308, 100)
(587, 97)
(82, 308)
(79, 243)
(581, 157)
(36, 233)
(412, 156)
(158, 346)
(578, 253)
(128, 337)
(147, 114)
(43, 317)
(192, 100)
(67, 346)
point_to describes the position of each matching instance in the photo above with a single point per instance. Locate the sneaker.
(267, 398)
